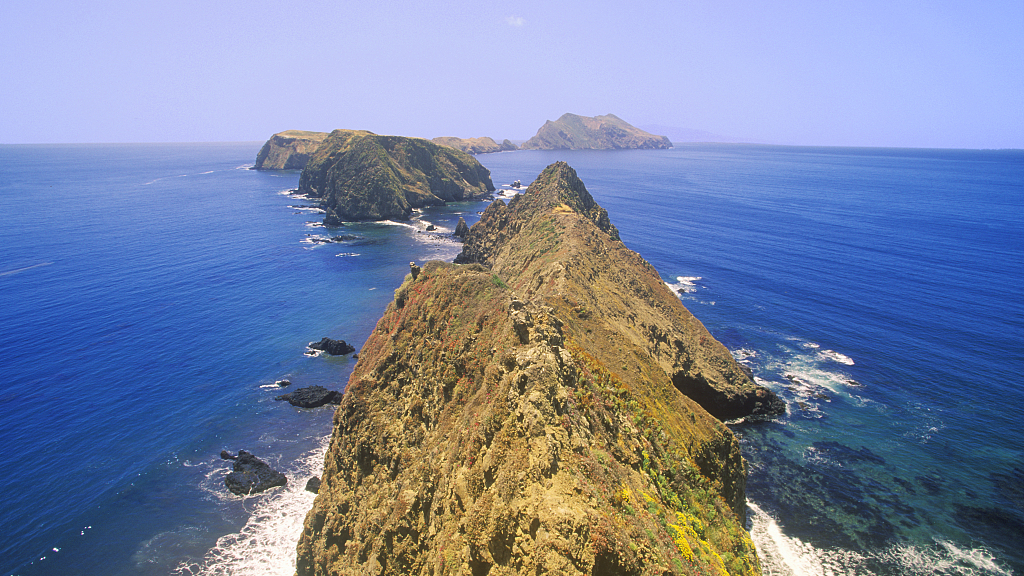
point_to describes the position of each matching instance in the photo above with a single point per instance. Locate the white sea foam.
(836, 357)
(266, 544)
(683, 285)
(784, 555)
(744, 354)
(16, 270)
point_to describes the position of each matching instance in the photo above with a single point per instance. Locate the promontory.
(546, 405)
(483, 145)
(358, 175)
(288, 150)
(608, 132)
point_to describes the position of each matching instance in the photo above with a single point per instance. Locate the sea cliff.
(521, 413)
(608, 132)
(288, 150)
(359, 175)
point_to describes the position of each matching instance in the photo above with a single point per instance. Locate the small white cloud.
(515, 20)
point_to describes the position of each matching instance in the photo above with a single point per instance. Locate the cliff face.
(517, 415)
(484, 145)
(362, 176)
(608, 132)
(288, 150)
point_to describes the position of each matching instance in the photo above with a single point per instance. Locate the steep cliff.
(484, 145)
(517, 415)
(608, 132)
(288, 150)
(359, 175)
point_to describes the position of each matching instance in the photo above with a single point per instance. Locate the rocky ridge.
(484, 145)
(288, 150)
(608, 132)
(517, 414)
(359, 175)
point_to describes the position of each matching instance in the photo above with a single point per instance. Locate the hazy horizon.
(874, 74)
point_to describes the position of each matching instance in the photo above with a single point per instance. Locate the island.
(288, 150)
(359, 175)
(484, 145)
(545, 405)
(608, 132)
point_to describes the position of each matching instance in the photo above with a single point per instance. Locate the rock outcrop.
(311, 397)
(516, 414)
(608, 132)
(461, 229)
(250, 475)
(288, 150)
(484, 145)
(359, 175)
(332, 346)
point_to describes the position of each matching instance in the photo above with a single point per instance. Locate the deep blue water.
(150, 296)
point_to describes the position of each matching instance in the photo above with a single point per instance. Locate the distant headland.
(608, 132)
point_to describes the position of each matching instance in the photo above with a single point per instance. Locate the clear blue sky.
(858, 72)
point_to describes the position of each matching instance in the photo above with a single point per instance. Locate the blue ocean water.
(151, 295)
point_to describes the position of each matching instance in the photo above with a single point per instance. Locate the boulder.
(313, 485)
(251, 475)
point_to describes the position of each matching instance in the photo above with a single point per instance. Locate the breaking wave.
(266, 544)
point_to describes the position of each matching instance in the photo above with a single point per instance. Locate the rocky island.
(608, 132)
(288, 150)
(546, 406)
(358, 175)
(485, 145)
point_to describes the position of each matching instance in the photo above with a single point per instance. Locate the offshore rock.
(359, 175)
(252, 475)
(313, 485)
(461, 229)
(288, 150)
(608, 132)
(311, 397)
(332, 347)
(517, 415)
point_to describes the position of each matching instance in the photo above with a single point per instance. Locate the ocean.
(151, 296)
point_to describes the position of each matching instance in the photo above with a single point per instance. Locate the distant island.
(359, 175)
(608, 132)
(484, 145)
(288, 150)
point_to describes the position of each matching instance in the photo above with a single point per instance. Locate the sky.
(936, 74)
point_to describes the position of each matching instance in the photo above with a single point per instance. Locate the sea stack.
(517, 414)
(359, 175)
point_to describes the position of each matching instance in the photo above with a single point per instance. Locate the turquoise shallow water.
(152, 294)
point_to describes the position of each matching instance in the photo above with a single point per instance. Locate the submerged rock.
(332, 347)
(251, 475)
(311, 397)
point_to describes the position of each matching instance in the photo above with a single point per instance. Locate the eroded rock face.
(514, 415)
(288, 150)
(608, 132)
(359, 175)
